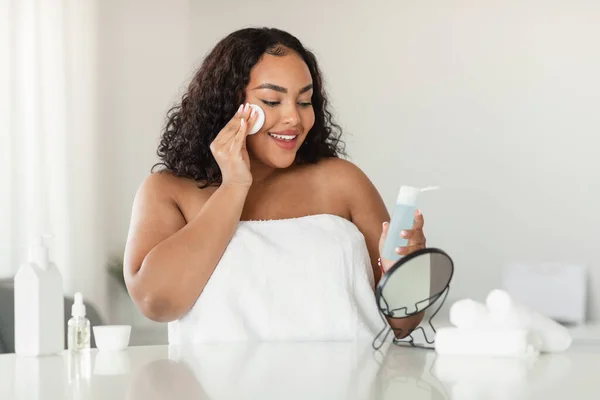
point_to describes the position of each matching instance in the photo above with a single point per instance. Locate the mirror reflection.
(409, 373)
(310, 370)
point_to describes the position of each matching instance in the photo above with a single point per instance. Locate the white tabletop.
(297, 371)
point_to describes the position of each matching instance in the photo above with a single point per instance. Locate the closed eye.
(270, 103)
(275, 103)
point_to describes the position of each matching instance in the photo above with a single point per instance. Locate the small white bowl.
(112, 337)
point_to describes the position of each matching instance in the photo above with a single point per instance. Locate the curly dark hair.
(213, 96)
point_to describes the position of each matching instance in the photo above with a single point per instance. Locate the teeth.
(282, 137)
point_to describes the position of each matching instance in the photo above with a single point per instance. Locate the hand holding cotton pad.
(260, 119)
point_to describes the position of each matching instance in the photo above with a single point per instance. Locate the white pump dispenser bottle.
(39, 305)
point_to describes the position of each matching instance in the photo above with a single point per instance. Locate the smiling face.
(282, 87)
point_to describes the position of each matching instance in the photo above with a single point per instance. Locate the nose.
(291, 115)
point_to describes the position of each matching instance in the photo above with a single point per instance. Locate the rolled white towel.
(487, 370)
(487, 342)
(506, 313)
(469, 314)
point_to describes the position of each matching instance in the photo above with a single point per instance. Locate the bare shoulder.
(351, 188)
(182, 194)
(343, 175)
(333, 165)
(164, 184)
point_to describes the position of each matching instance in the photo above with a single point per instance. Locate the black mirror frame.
(432, 300)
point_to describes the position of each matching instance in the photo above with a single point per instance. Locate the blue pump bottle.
(402, 219)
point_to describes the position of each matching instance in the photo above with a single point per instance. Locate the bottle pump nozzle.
(38, 251)
(408, 194)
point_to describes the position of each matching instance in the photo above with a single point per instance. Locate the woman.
(268, 236)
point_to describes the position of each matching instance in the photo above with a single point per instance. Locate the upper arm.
(155, 216)
(367, 209)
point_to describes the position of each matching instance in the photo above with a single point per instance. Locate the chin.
(280, 162)
(273, 155)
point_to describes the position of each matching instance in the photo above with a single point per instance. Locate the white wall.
(495, 101)
(144, 60)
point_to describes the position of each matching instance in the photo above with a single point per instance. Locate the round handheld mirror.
(413, 284)
(260, 119)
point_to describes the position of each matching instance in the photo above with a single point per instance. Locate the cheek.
(308, 118)
(256, 144)
(252, 141)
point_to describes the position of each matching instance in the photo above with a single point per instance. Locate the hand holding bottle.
(415, 240)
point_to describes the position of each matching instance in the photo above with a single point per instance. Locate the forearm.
(175, 272)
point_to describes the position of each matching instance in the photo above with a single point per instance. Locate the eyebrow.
(281, 89)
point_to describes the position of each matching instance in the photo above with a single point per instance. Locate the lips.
(286, 140)
(283, 137)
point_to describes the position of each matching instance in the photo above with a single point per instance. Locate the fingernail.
(252, 113)
(240, 108)
(404, 234)
(242, 123)
(385, 224)
(398, 250)
(418, 212)
(246, 107)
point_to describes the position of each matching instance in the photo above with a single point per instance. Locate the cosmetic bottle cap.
(408, 195)
(78, 308)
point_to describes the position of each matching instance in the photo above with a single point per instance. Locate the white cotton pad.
(260, 120)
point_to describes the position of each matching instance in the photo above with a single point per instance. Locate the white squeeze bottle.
(39, 305)
(402, 219)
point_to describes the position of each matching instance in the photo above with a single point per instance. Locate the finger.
(384, 228)
(418, 221)
(231, 128)
(406, 250)
(417, 239)
(413, 234)
(234, 122)
(239, 141)
(243, 117)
